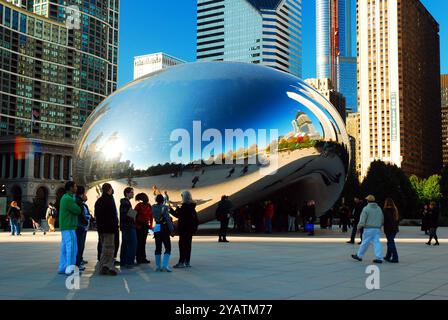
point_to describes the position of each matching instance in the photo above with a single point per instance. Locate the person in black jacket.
(128, 233)
(391, 228)
(359, 206)
(223, 213)
(187, 226)
(107, 225)
(425, 219)
(433, 223)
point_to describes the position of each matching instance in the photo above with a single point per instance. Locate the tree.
(417, 185)
(431, 188)
(388, 181)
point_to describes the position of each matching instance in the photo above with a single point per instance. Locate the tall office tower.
(399, 86)
(326, 88)
(444, 86)
(150, 63)
(333, 48)
(56, 67)
(267, 32)
(353, 131)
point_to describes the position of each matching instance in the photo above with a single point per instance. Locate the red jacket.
(269, 211)
(144, 215)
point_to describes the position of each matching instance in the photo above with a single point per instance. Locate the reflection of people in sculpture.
(195, 181)
(166, 198)
(155, 190)
(245, 170)
(231, 172)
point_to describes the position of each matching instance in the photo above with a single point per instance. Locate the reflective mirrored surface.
(243, 130)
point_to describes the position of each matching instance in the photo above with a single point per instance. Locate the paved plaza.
(256, 266)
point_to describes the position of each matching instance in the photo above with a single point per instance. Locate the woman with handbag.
(187, 226)
(163, 229)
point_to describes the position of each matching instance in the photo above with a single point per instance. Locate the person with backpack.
(187, 225)
(83, 226)
(163, 230)
(223, 214)
(50, 216)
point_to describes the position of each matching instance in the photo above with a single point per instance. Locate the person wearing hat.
(14, 218)
(372, 219)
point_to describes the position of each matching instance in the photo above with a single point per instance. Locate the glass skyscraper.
(266, 32)
(59, 60)
(333, 48)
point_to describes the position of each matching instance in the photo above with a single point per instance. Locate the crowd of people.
(134, 223)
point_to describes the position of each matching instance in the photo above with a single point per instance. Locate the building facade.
(334, 48)
(399, 86)
(444, 95)
(59, 61)
(354, 132)
(251, 31)
(326, 88)
(150, 63)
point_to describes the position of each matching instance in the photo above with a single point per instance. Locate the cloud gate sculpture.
(214, 128)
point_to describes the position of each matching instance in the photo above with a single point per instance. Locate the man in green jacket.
(68, 222)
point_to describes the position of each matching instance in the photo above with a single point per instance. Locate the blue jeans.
(269, 225)
(128, 246)
(81, 235)
(391, 247)
(15, 226)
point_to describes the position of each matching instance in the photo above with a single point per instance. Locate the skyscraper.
(59, 61)
(444, 86)
(333, 48)
(326, 88)
(399, 86)
(150, 63)
(267, 32)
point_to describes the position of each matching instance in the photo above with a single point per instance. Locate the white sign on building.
(147, 64)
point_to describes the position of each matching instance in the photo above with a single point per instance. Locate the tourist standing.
(425, 219)
(50, 216)
(372, 219)
(269, 215)
(68, 221)
(344, 215)
(433, 223)
(83, 226)
(357, 210)
(166, 198)
(292, 215)
(391, 228)
(107, 226)
(311, 216)
(163, 229)
(127, 226)
(143, 223)
(223, 214)
(187, 226)
(14, 218)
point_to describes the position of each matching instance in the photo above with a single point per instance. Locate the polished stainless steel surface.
(134, 138)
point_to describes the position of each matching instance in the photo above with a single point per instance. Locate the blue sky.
(149, 26)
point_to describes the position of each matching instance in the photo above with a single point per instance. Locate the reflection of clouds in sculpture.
(127, 138)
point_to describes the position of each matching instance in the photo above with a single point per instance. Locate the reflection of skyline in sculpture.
(127, 139)
(303, 126)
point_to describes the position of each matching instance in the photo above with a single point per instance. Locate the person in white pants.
(372, 219)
